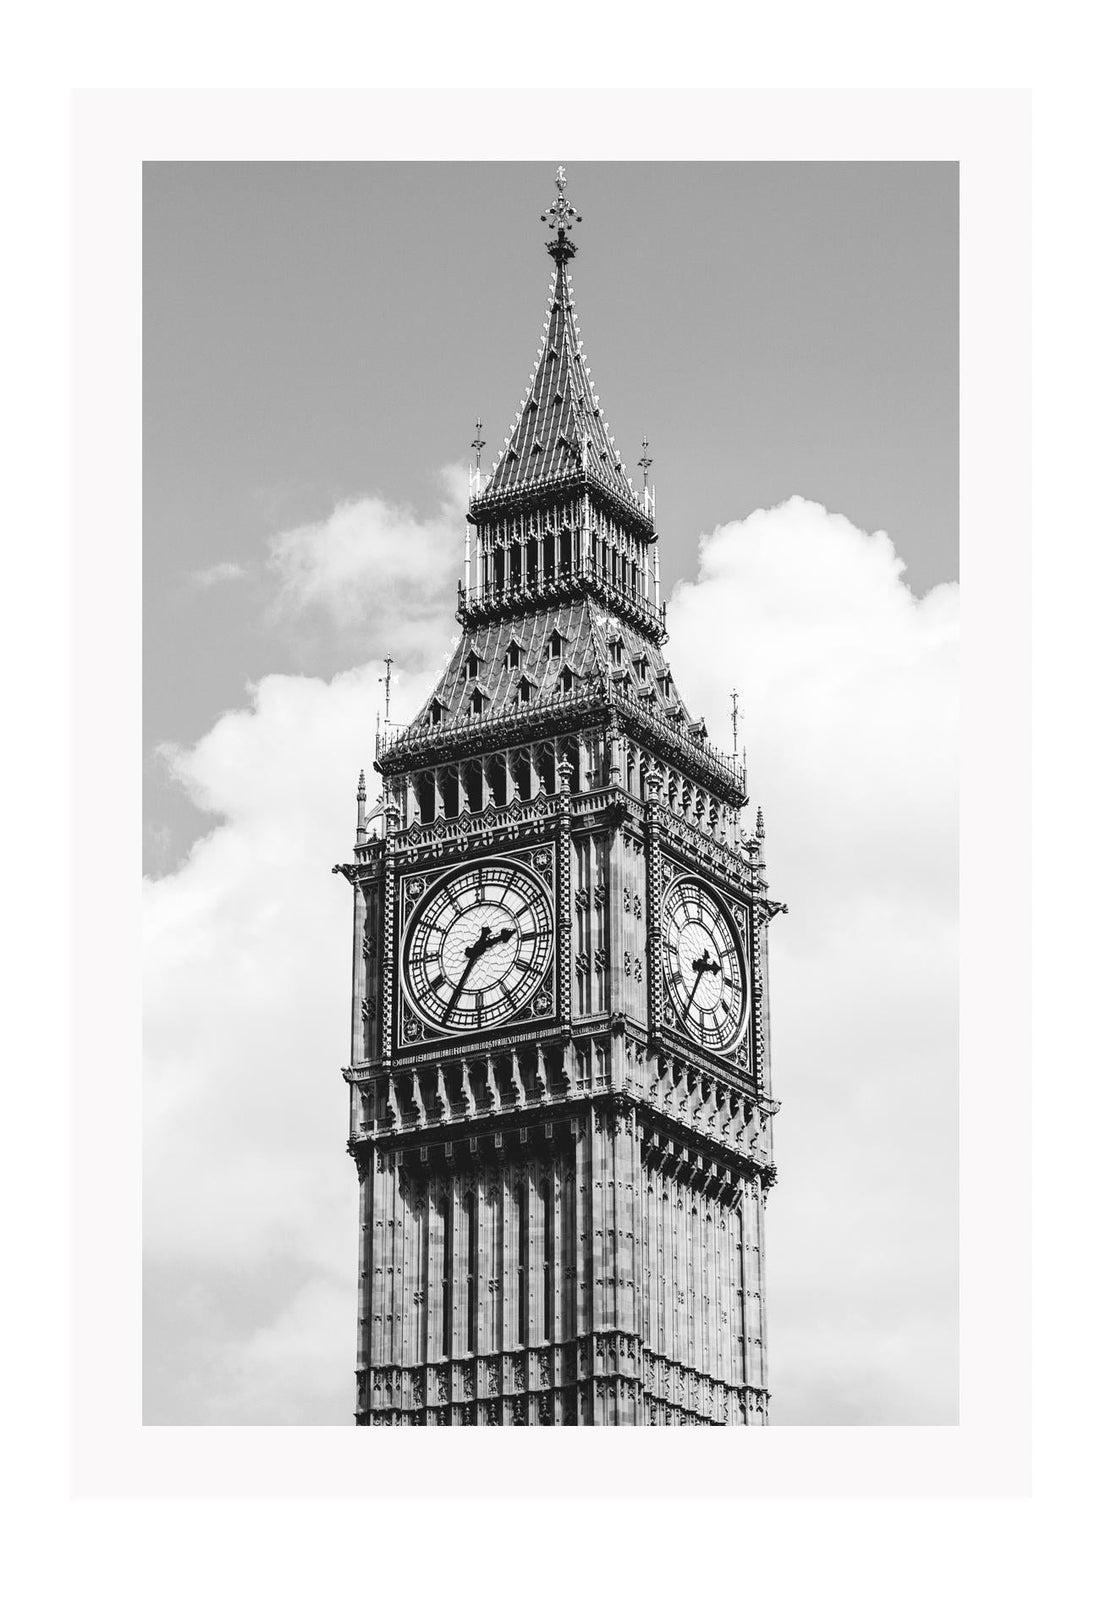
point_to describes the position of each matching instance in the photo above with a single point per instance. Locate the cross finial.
(479, 441)
(645, 462)
(561, 216)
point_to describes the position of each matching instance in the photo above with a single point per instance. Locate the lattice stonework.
(561, 1109)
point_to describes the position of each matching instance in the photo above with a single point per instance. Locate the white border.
(988, 133)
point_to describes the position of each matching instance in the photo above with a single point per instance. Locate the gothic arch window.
(523, 692)
(523, 770)
(555, 646)
(514, 654)
(496, 779)
(475, 788)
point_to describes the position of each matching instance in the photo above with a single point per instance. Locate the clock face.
(479, 946)
(703, 967)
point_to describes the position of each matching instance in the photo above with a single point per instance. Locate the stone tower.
(561, 1107)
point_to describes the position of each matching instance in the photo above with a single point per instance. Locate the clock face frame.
(704, 966)
(478, 947)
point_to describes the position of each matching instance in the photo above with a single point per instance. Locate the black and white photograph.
(551, 793)
(546, 846)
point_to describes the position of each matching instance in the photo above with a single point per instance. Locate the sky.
(317, 333)
(318, 342)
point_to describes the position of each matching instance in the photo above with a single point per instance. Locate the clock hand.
(701, 966)
(473, 952)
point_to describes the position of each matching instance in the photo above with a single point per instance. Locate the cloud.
(221, 571)
(848, 687)
(373, 559)
(249, 1201)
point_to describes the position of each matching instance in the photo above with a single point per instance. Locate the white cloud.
(848, 686)
(373, 559)
(249, 1203)
(221, 571)
(849, 690)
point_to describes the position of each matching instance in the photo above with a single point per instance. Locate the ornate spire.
(561, 217)
(560, 429)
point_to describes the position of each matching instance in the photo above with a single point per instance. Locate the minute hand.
(473, 953)
(701, 967)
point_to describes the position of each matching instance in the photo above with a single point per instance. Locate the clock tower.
(561, 1109)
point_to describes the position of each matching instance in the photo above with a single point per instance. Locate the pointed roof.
(560, 428)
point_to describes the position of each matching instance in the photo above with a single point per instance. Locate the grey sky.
(314, 332)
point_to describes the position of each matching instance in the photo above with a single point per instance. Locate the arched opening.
(497, 780)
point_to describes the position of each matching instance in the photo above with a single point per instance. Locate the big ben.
(561, 1106)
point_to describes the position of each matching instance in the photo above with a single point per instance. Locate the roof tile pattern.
(594, 644)
(560, 428)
